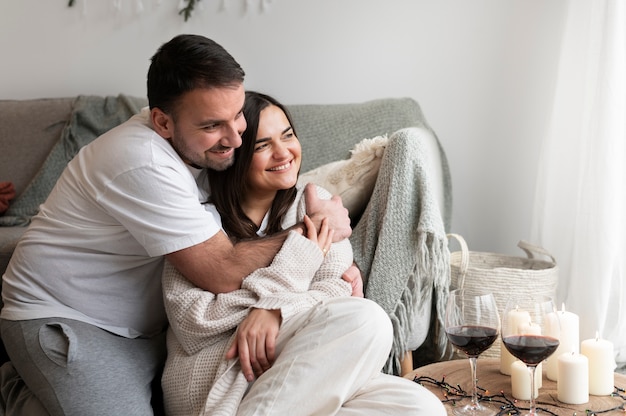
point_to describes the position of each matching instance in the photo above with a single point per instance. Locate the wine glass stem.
(532, 369)
(474, 382)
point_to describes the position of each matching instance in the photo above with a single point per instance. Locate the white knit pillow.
(352, 179)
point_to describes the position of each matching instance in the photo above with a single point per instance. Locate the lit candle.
(520, 381)
(572, 386)
(601, 365)
(564, 326)
(515, 318)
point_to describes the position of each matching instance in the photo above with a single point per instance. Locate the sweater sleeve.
(326, 282)
(197, 316)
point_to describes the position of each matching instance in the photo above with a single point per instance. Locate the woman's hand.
(255, 343)
(323, 238)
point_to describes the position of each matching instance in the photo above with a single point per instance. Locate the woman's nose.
(281, 150)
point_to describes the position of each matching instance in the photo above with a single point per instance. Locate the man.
(83, 320)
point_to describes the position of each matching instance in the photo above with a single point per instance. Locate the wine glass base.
(478, 410)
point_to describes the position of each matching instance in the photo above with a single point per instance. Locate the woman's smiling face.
(277, 154)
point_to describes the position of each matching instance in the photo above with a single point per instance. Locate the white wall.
(482, 70)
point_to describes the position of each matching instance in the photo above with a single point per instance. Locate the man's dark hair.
(188, 62)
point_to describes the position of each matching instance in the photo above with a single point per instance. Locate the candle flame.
(563, 307)
(597, 336)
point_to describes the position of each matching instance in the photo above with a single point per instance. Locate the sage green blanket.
(400, 243)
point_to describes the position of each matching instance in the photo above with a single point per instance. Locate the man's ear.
(163, 123)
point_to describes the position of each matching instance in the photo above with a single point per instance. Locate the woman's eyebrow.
(262, 139)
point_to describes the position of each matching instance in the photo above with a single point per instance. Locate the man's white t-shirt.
(95, 250)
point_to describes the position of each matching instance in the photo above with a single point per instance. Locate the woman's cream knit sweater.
(197, 379)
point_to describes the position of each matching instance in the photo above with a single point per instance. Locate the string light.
(508, 407)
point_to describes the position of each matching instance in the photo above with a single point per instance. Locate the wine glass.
(472, 325)
(526, 321)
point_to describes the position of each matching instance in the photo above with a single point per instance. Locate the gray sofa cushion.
(28, 130)
(91, 116)
(328, 131)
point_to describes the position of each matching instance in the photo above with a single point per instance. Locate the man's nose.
(233, 136)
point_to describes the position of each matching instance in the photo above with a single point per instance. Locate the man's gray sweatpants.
(77, 369)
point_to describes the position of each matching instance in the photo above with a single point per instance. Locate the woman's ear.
(162, 123)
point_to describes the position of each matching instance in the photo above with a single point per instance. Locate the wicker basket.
(503, 275)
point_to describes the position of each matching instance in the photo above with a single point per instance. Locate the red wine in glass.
(472, 324)
(472, 340)
(531, 349)
(525, 323)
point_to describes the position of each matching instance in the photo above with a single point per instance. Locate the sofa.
(34, 133)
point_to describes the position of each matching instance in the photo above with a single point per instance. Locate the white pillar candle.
(572, 386)
(520, 381)
(530, 328)
(601, 365)
(564, 326)
(506, 359)
(515, 318)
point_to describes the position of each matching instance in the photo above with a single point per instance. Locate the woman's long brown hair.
(228, 186)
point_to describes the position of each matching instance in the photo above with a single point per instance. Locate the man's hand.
(333, 209)
(255, 342)
(353, 276)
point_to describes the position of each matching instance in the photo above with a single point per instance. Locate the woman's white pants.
(329, 363)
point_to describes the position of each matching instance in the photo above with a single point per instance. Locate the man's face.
(207, 126)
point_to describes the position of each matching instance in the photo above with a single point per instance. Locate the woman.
(257, 196)
(329, 347)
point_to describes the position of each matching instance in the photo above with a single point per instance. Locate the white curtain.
(580, 206)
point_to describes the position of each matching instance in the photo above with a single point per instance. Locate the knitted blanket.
(91, 116)
(400, 243)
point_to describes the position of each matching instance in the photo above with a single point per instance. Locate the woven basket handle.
(532, 249)
(464, 258)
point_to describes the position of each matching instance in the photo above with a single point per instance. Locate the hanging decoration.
(187, 10)
(185, 7)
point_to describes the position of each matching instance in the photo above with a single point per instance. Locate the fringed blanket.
(400, 244)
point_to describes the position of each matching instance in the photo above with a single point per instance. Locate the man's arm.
(219, 266)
